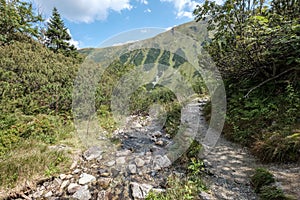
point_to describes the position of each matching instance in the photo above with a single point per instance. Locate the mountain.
(176, 49)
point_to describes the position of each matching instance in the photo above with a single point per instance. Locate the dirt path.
(232, 166)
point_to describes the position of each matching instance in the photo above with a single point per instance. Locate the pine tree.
(18, 21)
(57, 36)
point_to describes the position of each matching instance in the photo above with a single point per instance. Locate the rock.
(159, 143)
(104, 182)
(157, 191)
(62, 176)
(105, 174)
(86, 178)
(136, 125)
(92, 153)
(139, 191)
(102, 195)
(114, 172)
(123, 153)
(64, 184)
(73, 187)
(139, 162)
(69, 176)
(132, 169)
(74, 164)
(121, 160)
(110, 163)
(57, 182)
(49, 194)
(205, 196)
(37, 194)
(161, 162)
(76, 171)
(82, 194)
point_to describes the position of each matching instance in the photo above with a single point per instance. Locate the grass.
(30, 161)
(31, 154)
(263, 183)
(262, 177)
(188, 187)
(178, 188)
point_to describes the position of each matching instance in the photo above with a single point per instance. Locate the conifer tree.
(18, 21)
(57, 36)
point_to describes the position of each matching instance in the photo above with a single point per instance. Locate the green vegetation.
(262, 177)
(188, 187)
(17, 21)
(57, 36)
(263, 183)
(35, 105)
(256, 46)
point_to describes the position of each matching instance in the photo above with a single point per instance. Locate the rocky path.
(139, 165)
(231, 166)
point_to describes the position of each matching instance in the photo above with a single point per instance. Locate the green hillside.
(258, 60)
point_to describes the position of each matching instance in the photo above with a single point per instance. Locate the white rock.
(139, 162)
(73, 187)
(110, 163)
(86, 178)
(64, 184)
(62, 176)
(82, 194)
(76, 171)
(92, 153)
(123, 153)
(121, 160)
(140, 191)
(161, 162)
(132, 169)
(74, 164)
(49, 194)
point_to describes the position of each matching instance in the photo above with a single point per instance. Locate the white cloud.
(184, 8)
(144, 2)
(122, 43)
(82, 10)
(72, 41)
(147, 11)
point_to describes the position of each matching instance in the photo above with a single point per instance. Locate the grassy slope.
(35, 104)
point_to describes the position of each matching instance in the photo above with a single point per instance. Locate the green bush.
(262, 177)
(272, 193)
(35, 80)
(45, 128)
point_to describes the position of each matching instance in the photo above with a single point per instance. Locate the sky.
(92, 23)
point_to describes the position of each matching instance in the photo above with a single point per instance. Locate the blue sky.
(91, 22)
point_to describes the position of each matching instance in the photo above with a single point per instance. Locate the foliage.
(178, 188)
(256, 46)
(35, 103)
(251, 40)
(17, 21)
(15, 128)
(57, 36)
(262, 177)
(30, 161)
(278, 147)
(189, 186)
(263, 183)
(35, 80)
(273, 193)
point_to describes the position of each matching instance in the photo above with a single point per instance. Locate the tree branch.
(266, 81)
